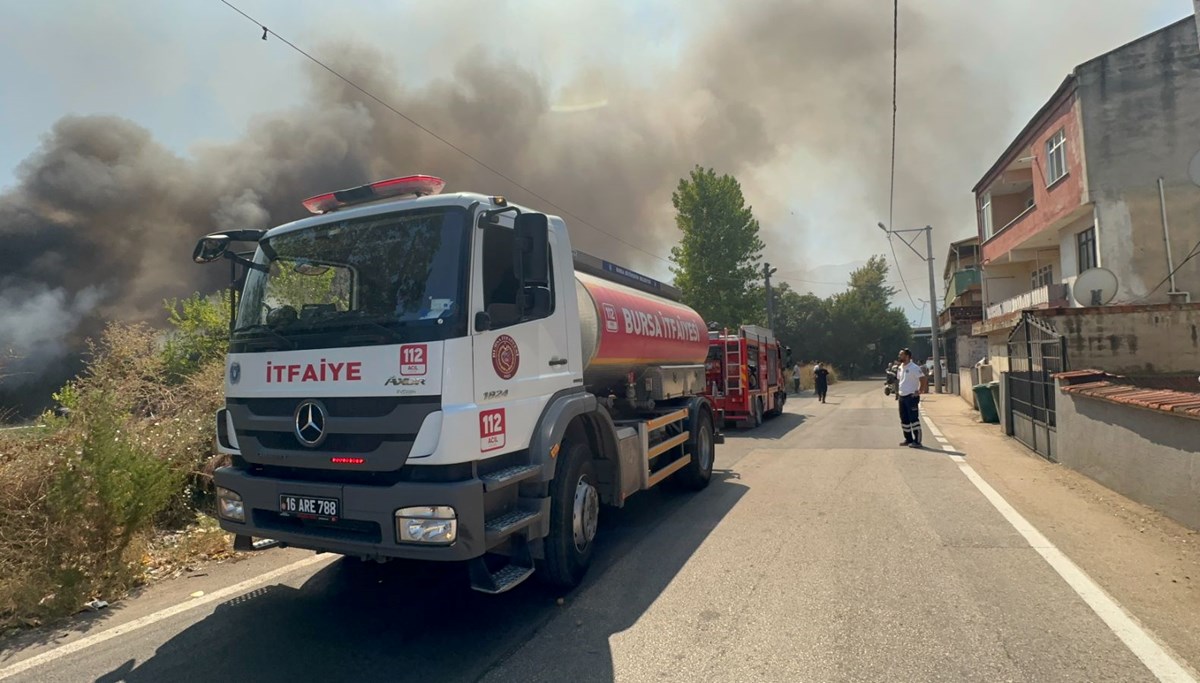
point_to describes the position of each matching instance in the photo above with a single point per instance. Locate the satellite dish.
(1194, 169)
(1095, 287)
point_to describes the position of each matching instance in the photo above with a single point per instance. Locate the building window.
(1056, 157)
(1042, 277)
(1086, 241)
(985, 214)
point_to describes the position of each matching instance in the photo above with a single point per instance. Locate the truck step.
(508, 476)
(509, 523)
(507, 578)
(519, 568)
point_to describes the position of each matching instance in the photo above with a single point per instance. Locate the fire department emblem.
(506, 357)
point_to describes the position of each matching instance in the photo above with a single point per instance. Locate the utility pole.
(768, 271)
(933, 310)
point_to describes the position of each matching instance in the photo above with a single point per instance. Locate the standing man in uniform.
(908, 386)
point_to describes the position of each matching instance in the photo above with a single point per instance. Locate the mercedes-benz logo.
(310, 423)
(235, 372)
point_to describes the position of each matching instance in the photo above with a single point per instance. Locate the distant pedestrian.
(908, 386)
(796, 378)
(821, 381)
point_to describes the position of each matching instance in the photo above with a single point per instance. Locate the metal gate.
(1035, 353)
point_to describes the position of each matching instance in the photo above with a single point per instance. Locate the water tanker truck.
(428, 376)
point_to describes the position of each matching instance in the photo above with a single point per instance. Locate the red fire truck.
(744, 374)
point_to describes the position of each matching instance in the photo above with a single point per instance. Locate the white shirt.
(909, 377)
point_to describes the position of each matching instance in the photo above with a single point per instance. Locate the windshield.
(393, 278)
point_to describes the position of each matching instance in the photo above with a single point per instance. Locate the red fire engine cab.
(744, 374)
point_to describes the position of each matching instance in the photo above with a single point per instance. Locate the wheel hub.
(585, 514)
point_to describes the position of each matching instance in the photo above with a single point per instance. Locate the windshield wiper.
(254, 329)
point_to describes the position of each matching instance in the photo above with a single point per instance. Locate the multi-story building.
(1099, 177)
(962, 307)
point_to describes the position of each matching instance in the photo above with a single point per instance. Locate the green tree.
(716, 261)
(865, 328)
(199, 333)
(802, 323)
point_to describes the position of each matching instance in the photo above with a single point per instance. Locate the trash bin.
(994, 387)
(987, 403)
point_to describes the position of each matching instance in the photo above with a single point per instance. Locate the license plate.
(310, 507)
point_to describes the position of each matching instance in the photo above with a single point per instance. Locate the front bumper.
(367, 527)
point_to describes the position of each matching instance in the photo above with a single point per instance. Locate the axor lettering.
(324, 371)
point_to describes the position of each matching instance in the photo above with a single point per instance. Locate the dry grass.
(84, 495)
(806, 376)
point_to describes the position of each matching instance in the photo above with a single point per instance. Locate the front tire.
(574, 515)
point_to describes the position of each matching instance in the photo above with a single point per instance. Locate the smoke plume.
(792, 97)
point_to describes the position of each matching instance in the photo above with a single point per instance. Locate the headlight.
(432, 524)
(229, 505)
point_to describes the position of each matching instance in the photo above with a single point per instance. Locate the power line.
(892, 180)
(1195, 251)
(437, 137)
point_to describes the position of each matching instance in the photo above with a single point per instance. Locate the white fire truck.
(432, 376)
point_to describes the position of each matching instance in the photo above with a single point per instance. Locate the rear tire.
(758, 411)
(574, 512)
(697, 473)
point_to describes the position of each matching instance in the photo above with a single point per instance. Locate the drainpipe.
(1162, 204)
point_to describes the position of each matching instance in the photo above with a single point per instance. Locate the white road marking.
(142, 622)
(942, 440)
(1140, 641)
(932, 427)
(948, 448)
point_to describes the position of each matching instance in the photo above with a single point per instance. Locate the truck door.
(520, 360)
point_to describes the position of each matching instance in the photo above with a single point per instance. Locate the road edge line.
(1141, 641)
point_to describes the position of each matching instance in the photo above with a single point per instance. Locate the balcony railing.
(1042, 297)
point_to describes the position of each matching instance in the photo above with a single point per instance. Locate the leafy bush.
(200, 335)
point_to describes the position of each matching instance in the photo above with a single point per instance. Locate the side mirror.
(531, 255)
(210, 248)
(483, 322)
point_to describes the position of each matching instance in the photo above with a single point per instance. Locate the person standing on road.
(908, 386)
(796, 378)
(821, 381)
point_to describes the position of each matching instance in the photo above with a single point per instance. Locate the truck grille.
(380, 429)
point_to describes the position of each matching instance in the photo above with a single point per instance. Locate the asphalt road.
(820, 552)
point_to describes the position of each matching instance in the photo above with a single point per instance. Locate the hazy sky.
(792, 97)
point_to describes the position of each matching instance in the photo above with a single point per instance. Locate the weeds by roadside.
(107, 493)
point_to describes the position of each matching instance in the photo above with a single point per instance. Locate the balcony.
(1049, 296)
(960, 282)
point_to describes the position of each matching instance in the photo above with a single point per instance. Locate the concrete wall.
(1151, 457)
(1068, 251)
(1140, 107)
(1005, 281)
(1131, 340)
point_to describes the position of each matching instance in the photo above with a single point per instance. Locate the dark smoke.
(792, 97)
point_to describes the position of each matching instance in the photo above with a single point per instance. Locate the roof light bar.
(415, 185)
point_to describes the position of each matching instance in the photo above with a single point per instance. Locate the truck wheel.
(780, 398)
(758, 411)
(574, 513)
(697, 473)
